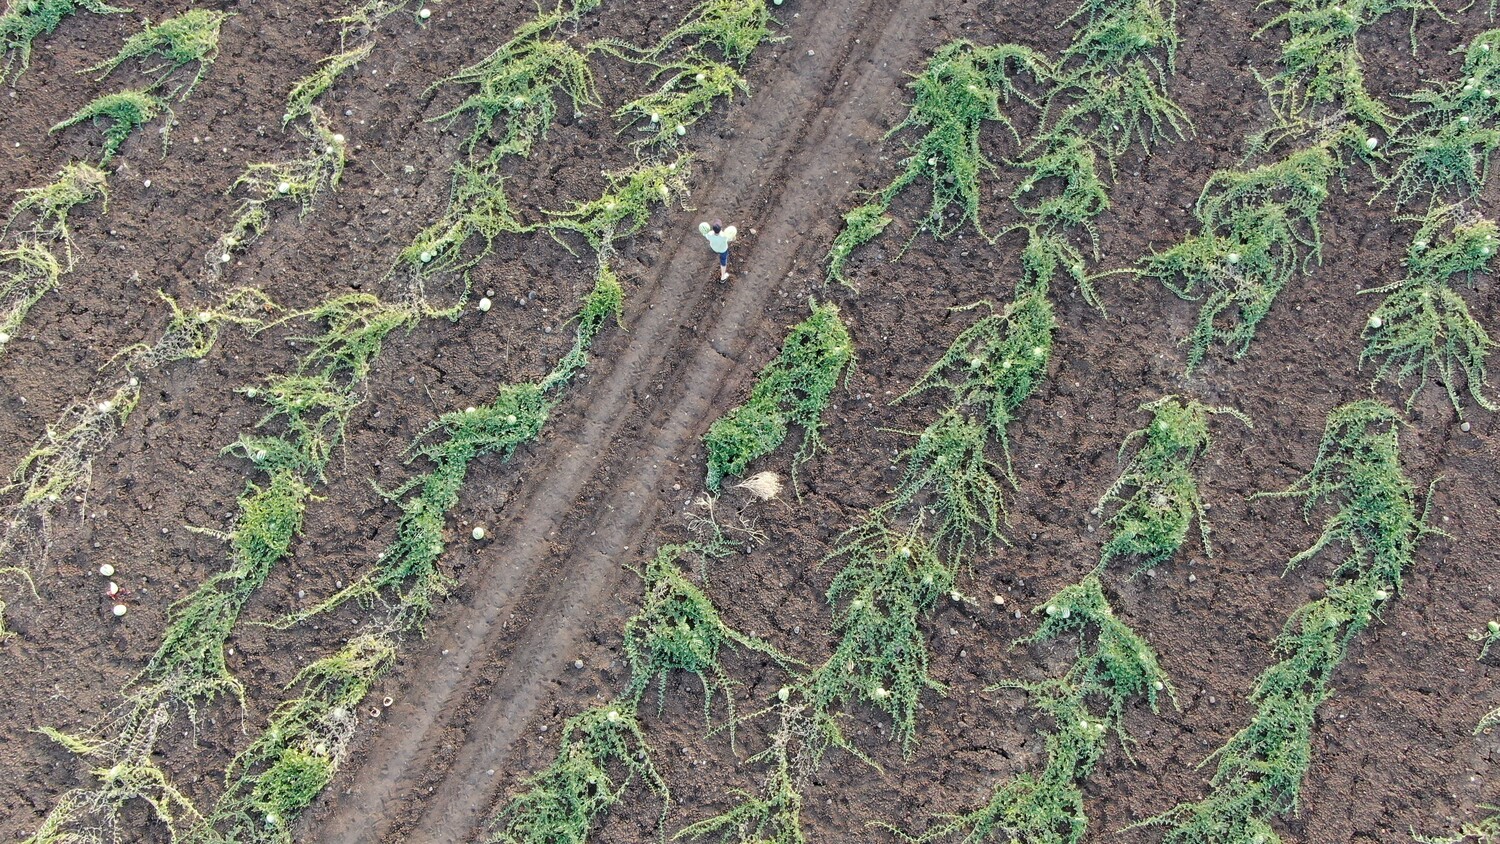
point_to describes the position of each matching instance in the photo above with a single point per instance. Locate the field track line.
(803, 124)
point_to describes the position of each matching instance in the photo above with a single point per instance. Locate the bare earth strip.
(809, 120)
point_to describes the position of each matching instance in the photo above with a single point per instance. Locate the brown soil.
(479, 700)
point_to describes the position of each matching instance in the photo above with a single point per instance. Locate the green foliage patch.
(288, 764)
(961, 88)
(606, 300)
(478, 210)
(889, 580)
(1483, 831)
(625, 207)
(688, 92)
(735, 27)
(354, 26)
(989, 369)
(949, 472)
(795, 388)
(28, 271)
(1113, 666)
(123, 113)
(1423, 325)
(1111, 87)
(602, 752)
(311, 407)
(49, 205)
(1260, 769)
(679, 629)
(518, 88)
(191, 37)
(1448, 142)
(408, 567)
(26, 20)
(296, 181)
(1320, 86)
(299, 100)
(1105, 92)
(1062, 186)
(1152, 521)
(1259, 228)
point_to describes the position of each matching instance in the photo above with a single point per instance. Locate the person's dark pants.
(724, 258)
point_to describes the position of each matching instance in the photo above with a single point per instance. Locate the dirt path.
(842, 56)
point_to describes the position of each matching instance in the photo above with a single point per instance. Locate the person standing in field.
(719, 237)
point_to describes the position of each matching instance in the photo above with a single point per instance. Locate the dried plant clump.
(763, 485)
(94, 816)
(58, 468)
(190, 335)
(775, 817)
(56, 471)
(362, 19)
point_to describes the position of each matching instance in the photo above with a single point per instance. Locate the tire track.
(848, 69)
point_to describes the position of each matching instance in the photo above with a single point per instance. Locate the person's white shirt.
(717, 242)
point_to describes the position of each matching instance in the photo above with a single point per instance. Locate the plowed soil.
(477, 703)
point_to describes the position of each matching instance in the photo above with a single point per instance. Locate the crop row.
(1102, 97)
(280, 771)
(310, 406)
(895, 572)
(58, 466)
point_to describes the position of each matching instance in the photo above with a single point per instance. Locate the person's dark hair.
(716, 225)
